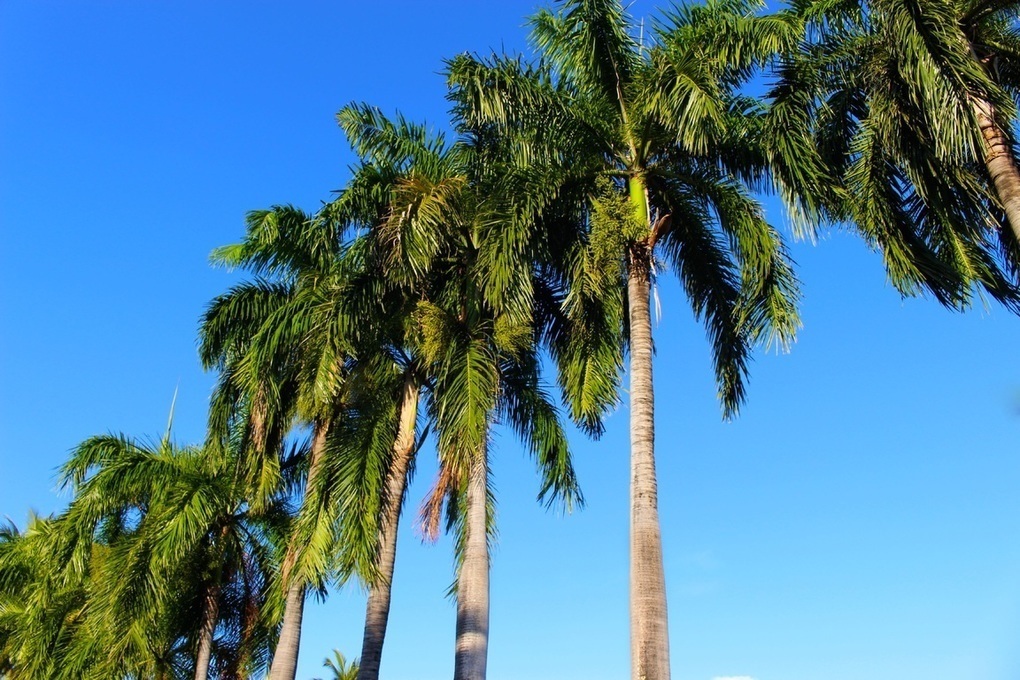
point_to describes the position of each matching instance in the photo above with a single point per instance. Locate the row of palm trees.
(423, 298)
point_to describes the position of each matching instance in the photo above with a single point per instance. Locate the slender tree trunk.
(649, 632)
(1000, 163)
(285, 657)
(378, 609)
(473, 581)
(210, 614)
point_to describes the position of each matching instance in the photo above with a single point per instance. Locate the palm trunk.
(473, 580)
(1000, 163)
(378, 609)
(649, 632)
(210, 613)
(286, 655)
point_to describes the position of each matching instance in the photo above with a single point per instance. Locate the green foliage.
(431, 332)
(614, 224)
(879, 99)
(451, 266)
(118, 585)
(661, 152)
(340, 668)
(458, 237)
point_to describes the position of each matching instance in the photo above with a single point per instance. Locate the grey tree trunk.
(210, 613)
(473, 582)
(649, 630)
(1000, 163)
(285, 657)
(378, 609)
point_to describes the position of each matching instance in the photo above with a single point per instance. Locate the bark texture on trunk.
(378, 609)
(649, 631)
(286, 655)
(210, 613)
(473, 581)
(1000, 163)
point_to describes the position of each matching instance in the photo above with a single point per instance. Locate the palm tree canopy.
(178, 527)
(658, 147)
(880, 97)
(340, 668)
(450, 237)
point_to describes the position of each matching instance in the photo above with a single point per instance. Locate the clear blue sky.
(859, 520)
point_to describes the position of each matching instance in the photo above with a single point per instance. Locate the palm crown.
(903, 109)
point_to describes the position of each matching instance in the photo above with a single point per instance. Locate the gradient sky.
(860, 519)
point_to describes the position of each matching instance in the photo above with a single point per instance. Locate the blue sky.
(859, 519)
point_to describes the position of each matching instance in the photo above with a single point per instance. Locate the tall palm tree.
(475, 339)
(297, 344)
(655, 154)
(397, 474)
(265, 377)
(906, 110)
(388, 381)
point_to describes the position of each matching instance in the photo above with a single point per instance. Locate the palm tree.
(298, 345)
(248, 334)
(387, 381)
(906, 111)
(52, 617)
(341, 669)
(474, 338)
(397, 475)
(186, 542)
(654, 154)
(156, 570)
(41, 602)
